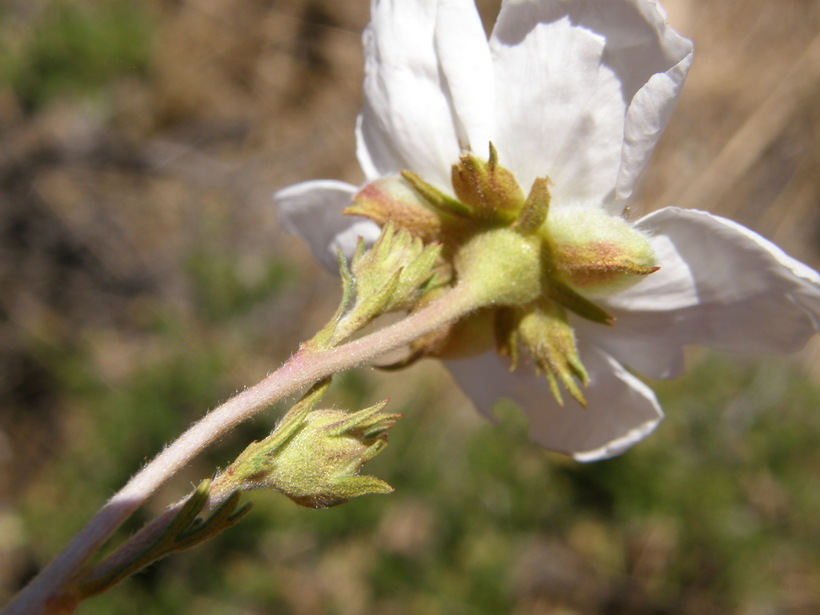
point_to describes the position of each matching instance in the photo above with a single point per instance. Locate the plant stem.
(44, 595)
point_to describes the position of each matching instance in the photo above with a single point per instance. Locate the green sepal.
(595, 252)
(536, 207)
(573, 301)
(308, 401)
(438, 199)
(348, 487)
(393, 199)
(354, 419)
(505, 323)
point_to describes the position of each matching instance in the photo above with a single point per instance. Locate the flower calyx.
(596, 253)
(314, 456)
(516, 255)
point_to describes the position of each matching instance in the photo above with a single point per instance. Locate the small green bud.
(317, 463)
(566, 297)
(543, 330)
(395, 272)
(442, 202)
(488, 188)
(546, 334)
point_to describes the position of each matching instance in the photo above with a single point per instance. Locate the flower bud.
(395, 272)
(546, 334)
(488, 188)
(317, 463)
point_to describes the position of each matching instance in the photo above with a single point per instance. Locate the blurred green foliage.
(221, 292)
(73, 49)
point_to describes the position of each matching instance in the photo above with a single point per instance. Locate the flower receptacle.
(501, 267)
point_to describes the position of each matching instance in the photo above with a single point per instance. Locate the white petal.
(549, 120)
(621, 409)
(313, 211)
(464, 59)
(566, 75)
(417, 62)
(648, 114)
(720, 285)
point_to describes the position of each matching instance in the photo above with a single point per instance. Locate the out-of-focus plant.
(75, 49)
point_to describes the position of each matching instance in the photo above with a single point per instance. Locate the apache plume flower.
(572, 97)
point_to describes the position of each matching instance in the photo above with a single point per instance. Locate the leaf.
(186, 530)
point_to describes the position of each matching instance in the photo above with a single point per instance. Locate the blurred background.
(143, 279)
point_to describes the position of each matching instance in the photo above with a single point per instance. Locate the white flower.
(579, 91)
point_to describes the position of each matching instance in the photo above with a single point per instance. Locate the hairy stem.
(44, 595)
